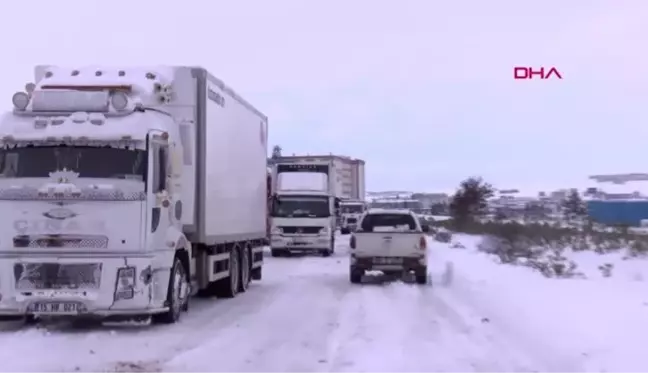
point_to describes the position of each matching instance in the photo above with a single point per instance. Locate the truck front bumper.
(81, 286)
(301, 243)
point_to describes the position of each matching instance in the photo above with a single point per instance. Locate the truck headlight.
(276, 230)
(125, 286)
(324, 231)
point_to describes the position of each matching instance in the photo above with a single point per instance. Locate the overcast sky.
(421, 90)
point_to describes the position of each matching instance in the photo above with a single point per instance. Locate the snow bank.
(599, 323)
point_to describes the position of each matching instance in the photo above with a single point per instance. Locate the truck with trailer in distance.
(303, 219)
(124, 196)
(350, 212)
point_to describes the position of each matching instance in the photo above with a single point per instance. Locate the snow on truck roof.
(144, 80)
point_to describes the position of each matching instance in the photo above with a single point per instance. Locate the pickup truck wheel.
(175, 295)
(355, 275)
(421, 276)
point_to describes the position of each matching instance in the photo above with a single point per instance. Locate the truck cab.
(84, 171)
(350, 213)
(98, 178)
(303, 221)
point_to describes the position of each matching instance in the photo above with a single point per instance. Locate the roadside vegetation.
(540, 245)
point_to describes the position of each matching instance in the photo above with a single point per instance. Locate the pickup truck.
(389, 240)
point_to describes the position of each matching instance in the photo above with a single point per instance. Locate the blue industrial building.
(618, 212)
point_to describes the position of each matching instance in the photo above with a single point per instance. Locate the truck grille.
(43, 276)
(61, 241)
(352, 220)
(299, 230)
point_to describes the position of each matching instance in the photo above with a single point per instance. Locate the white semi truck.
(303, 220)
(126, 190)
(350, 212)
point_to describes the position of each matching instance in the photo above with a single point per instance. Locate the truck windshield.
(301, 207)
(87, 161)
(352, 209)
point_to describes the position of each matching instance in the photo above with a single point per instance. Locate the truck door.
(158, 199)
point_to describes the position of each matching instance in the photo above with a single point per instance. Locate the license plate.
(56, 307)
(298, 243)
(388, 260)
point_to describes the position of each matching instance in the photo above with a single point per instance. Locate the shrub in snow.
(638, 248)
(606, 269)
(554, 265)
(457, 245)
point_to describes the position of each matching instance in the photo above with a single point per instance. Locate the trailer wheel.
(257, 273)
(229, 286)
(246, 268)
(177, 295)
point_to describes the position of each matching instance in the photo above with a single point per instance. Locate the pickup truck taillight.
(422, 243)
(352, 243)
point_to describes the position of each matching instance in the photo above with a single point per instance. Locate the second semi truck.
(303, 219)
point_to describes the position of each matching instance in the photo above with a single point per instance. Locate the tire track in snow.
(523, 349)
(289, 335)
(399, 327)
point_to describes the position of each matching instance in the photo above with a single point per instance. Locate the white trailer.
(124, 195)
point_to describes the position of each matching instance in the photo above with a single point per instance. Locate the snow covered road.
(306, 316)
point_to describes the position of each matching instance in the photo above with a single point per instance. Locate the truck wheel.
(344, 231)
(355, 275)
(229, 286)
(246, 267)
(421, 276)
(275, 253)
(176, 295)
(257, 273)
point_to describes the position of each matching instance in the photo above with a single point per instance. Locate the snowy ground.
(306, 316)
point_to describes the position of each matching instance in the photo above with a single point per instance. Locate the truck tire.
(355, 275)
(257, 273)
(421, 275)
(344, 231)
(175, 302)
(228, 287)
(245, 270)
(276, 253)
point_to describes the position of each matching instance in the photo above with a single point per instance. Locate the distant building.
(429, 199)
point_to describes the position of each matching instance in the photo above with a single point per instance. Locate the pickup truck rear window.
(372, 221)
